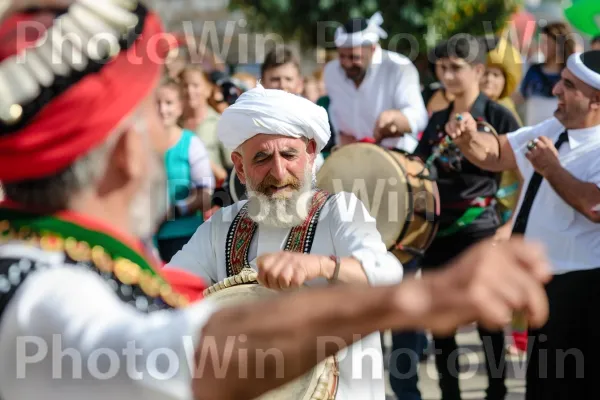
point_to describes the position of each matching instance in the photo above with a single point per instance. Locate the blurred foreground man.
(559, 162)
(85, 313)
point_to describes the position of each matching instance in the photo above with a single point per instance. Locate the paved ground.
(473, 379)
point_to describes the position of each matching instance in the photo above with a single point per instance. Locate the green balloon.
(585, 16)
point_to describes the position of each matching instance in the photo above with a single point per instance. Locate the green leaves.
(313, 22)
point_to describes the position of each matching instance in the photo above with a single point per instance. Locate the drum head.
(374, 175)
(243, 289)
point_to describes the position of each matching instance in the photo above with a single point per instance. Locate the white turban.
(586, 66)
(347, 37)
(273, 112)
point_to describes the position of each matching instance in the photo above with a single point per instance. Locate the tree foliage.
(313, 22)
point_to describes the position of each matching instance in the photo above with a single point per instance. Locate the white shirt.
(69, 311)
(200, 169)
(572, 241)
(345, 229)
(391, 82)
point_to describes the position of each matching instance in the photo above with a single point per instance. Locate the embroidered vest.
(128, 273)
(242, 231)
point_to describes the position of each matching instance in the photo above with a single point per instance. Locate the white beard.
(280, 212)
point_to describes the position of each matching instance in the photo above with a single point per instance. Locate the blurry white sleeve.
(355, 234)
(66, 335)
(200, 170)
(198, 255)
(409, 100)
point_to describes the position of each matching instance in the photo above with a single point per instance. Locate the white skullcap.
(370, 33)
(274, 112)
(586, 66)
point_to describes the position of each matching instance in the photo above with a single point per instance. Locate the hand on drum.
(287, 270)
(487, 283)
(385, 126)
(461, 128)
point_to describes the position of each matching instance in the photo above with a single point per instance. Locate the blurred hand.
(385, 126)
(544, 156)
(487, 284)
(461, 131)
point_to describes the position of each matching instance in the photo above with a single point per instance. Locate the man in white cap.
(298, 233)
(559, 161)
(374, 94)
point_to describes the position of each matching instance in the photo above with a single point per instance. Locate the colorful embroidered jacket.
(85, 244)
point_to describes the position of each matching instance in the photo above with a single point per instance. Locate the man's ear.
(128, 157)
(238, 163)
(311, 149)
(125, 163)
(595, 101)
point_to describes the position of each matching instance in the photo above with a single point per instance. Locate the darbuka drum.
(394, 188)
(318, 384)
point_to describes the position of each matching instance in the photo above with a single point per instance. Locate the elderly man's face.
(274, 165)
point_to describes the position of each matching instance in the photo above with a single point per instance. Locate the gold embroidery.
(127, 272)
(52, 243)
(78, 251)
(101, 259)
(149, 284)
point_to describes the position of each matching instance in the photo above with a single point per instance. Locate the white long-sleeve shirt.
(345, 229)
(391, 83)
(66, 335)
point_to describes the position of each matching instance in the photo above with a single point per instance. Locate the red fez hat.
(59, 101)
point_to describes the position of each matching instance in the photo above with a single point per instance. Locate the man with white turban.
(374, 93)
(275, 137)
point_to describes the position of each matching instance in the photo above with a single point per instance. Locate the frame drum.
(318, 384)
(394, 187)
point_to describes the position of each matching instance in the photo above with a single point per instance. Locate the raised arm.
(485, 150)
(305, 327)
(245, 351)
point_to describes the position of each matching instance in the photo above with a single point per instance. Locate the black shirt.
(459, 181)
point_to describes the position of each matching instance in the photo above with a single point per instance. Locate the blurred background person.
(503, 75)
(311, 89)
(556, 44)
(246, 78)
(500, 80)
(318, 75)
(435, 96)
(176, 62)
(200, 118)
(595, 43)
(189, 175)
(281, 70)
(375, 94)
(225, 90)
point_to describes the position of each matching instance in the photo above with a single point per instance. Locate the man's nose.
(557, 89)
(278, 169)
